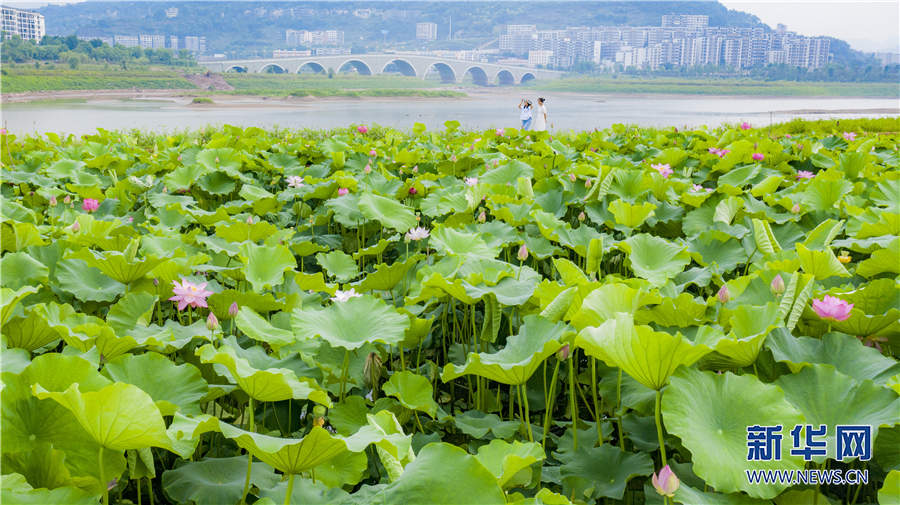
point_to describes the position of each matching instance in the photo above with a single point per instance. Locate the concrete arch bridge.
(450, 70)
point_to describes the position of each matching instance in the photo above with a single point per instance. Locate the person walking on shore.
(540, 119)
(525, 116)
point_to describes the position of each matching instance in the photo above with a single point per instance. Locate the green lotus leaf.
(14, 482)
(87, 283)
(386, 277)
(9, 299)
(821, 264)
(713, 246)
(477, 424)
(351, 324)
(254, 194)
(648, 356)
(241, 231)
(511, 462)
(34, 331)
(509, 291)
(173, 388)
(538, 338)
(265, 266)
(824, 195)
(270, 385)
(18, 270)
(890, 491)
(750, 326)
(820, 238)
(205, 218)
(443, 473)
(68, 495)
(413, 391)
(215, 481)
(346, 210)
(711, 413)
(825, 396)
(688, 495)
(44, 467)
(343, 469)
(116, 265)
(307, 492)
(557, 309)
(219, 303)
(681, 311)
(390, 213)
(603, 304)
(883, 260)
(339, 265)
(222, 159)
(654, 258)
(603, 471)
(435, 285)
(631, 216)
(449, 241)
(845, 353)
(14, 360)
(183, 177)
(887, 448)
(259, 329)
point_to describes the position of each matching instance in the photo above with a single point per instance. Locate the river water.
(479, 111)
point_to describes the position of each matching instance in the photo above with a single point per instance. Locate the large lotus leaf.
(510, 462)
(750, 325)
(34, 331)
(884, 260)
(687, 495)
(509, 291)
(443, 473)
(648, 356)
(9, 299)
(845, 353)
(19, 269)
(242, 231)
(215, 481)
(219, 303)
(265, 265)
(413, 391)
(174, 388)
(271, 385)
(654, 258)
(825, 396)
(309, 493)
(713, 246)
(345, 468)
(346, 210)
(117, 265)
(874, 309)
(118, 417)
(711, 413)
(821, 264)
(14, 360)
(631, 216)
(477, 424)
(824, 195)
(339, 265)
(523, 354)
(390, 213)
(386, 277)
(135, 308)
(449, 241)
(603, 304)
(890, 491)
(86, 283)
(351, 324)
(223, 159)
(887, 448)
(261, 330)
(67, 495)
(603, 471)
(681, 311)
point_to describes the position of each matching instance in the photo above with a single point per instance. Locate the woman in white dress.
(540, 117)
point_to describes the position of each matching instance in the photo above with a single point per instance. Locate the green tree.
(74, 61)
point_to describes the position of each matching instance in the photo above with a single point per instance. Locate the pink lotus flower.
(587, 184)
(453, 158)
(471, 181)
(697, 188)
(249, 219)
(343, 296)
(663, 169)
(3, 131)
(482, 217)
(343, 191)
(723, 295)
(573, 177)
(413, 191)
(76, 227)
(415, 169)
(746, 126)
(832, 308)
(419, 233)
(368, 169)
(795, 209)
(849, 136)
(189, 293)
(179, 158)
(212, 323)
(295, 181)
(777, 285)
(90, 205)
(500, 132)
(523, 253)
(787, 135)
(666, 483)
(362, 129)
(373, 152)
(803, 174)
(758, 156)
(873, 341)
(723, 152)
(53, 201)
(233, 309)
(67, 200)
(713, 150)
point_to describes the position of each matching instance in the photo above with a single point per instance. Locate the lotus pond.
(449, 317)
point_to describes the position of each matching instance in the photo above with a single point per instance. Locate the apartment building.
(536, 58)
(307, 38)
(26, 24)
(195, 44)
(173, 43)
(690, 22)
(126, 40)
(426, 31)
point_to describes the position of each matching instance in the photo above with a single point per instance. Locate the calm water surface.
(579, 112)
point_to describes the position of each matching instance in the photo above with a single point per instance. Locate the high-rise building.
(202, 45)
(126, 40)
(426, 31)
(173, 43)
(192, 44)
(334, 37)
(687, 21)
(146, 41)
(26, 24)
(159, 42)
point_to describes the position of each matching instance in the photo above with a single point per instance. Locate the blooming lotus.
(663, 169)
(472, 181)
(713, 150)
(746, 126)
(666, 483)
(500, 132)
(418, 233)
(295, 181)
(804, 174)
(343, 191)
(723, 152)
(343, 296)
(3, 131)
(832, 308)
(188, 293)
(362, 129)
(849, 136)
(697, 188)
(90, 205)
(758, 156)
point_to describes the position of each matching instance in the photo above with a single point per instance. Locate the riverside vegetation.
(373, 316)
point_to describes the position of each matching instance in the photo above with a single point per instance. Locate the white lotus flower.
(343, 296)
(417, 233)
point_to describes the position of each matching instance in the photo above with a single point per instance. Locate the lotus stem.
(659, 433)
(512, 405)
(249, 459)
(598, 417)
(149, 489)
(344, 371)
(573, 401)
(103, 482)
(619, 410)
(549, 406)
(418, 422)
(402, 359)
(524, 392)
(290, 489)
(138, 490)
(858, 488)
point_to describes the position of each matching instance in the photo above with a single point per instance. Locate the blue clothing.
(526, 124)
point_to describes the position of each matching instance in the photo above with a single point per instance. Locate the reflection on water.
(579, 112)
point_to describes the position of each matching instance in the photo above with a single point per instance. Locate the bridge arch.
(277, 69)
(448, 75)
(478, 74)
(312, 65)
(406, 68)
(361, 67)
(527, 76)
(505, 78)
(236, 69)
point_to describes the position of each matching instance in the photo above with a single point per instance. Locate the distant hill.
(228, 28)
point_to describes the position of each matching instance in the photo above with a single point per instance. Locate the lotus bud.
(482, 217)
(415, 169)
(212, 324)
(573, 177)
(563, 353)
(667, 482)
(777, 285)
(165, 189)
(496, 163)
(71, 205)
(67, 200)
(363, 129)
(581, 216)
(368, 169)
(523, 253)
(587, 184)
(217, 160)
(413, 191)
(155, 282)
(179, 158)
(249, 219)
(723, 295)
(373, 152)
(53, 201)
(233, 309)
(372, 367)
(76, 227)
(796, 208)
(453, 158)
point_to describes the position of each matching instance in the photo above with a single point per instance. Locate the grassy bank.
(290, 82)
(744, 87)
(21, 79)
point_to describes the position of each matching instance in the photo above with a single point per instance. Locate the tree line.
(71, 50)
